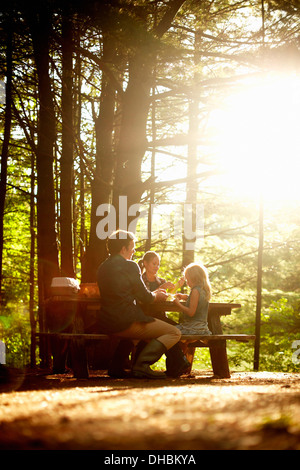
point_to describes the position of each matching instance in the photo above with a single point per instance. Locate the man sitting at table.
(122, 290)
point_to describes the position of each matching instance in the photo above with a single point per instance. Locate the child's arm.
(190, 311)
(167, 285)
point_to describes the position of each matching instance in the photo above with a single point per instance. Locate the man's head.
(121, 243)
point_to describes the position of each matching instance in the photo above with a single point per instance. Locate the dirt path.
(248, 411)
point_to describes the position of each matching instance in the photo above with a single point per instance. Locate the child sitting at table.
(196, 307)
(176, 362)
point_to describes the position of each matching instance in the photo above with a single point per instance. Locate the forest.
(177, 118)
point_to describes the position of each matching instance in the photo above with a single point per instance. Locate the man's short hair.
(117, 240)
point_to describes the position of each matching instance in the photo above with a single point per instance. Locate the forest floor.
(248, 411)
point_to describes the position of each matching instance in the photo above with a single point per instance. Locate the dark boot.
(176, 362)
(149, 355)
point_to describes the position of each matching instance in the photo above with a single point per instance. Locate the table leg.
(79, 361)
(217, 349)
(219, 360)
(59, 349)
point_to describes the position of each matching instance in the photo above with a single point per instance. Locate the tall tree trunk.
(40, 23)
(102, 183)
(5, 145)
(189, 214)
(152, 185)
(66, 181)
(135, 107)
(32, 258)
(188, 249)
(78, 208)
(133, 141)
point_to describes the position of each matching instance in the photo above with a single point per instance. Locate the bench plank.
(236, 337)
(187, 338)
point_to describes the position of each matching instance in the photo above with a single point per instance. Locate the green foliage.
(15, 333)
(280, 326)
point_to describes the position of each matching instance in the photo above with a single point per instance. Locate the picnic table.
(71, 323)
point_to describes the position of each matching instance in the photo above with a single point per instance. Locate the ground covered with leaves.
(248, 411)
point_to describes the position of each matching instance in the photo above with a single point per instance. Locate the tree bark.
(133, 141)
(66, 180)
(188, 249)
(6, 139)
(40, 23)
(103, 177)
(135, 107)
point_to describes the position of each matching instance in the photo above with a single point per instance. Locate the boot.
(149, 355)
(176, 362)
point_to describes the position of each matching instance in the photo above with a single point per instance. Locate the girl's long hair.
(199, 276)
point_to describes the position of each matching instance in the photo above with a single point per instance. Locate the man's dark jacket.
(121, 289)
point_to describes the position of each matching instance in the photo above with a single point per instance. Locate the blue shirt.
(202, 307)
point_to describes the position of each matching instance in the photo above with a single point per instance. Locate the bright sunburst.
(258, 138)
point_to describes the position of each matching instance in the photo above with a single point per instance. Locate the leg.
(165, 333)
(162, 337)
(138, 349)
(176, 362)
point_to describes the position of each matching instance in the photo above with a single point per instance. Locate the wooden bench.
(76, 334)
(216, 344)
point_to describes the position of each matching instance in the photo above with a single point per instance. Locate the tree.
(105, 163)
(66, 178)
(7, 131)
(135, 107)
(40, 27)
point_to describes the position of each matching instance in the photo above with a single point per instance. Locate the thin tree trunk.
(6, 139)
(31, 274)
(40, 24)
(189, 214)
(102, 183)
(66, 182)
(188, 249)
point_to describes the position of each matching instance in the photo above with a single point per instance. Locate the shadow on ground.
(248, 411)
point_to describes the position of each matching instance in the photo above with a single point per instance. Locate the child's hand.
(181, 281)
(179, 296)
(167, 285)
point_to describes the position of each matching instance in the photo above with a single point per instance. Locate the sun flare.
(258, 138)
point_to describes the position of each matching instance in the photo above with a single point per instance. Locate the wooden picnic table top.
(218, 308)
